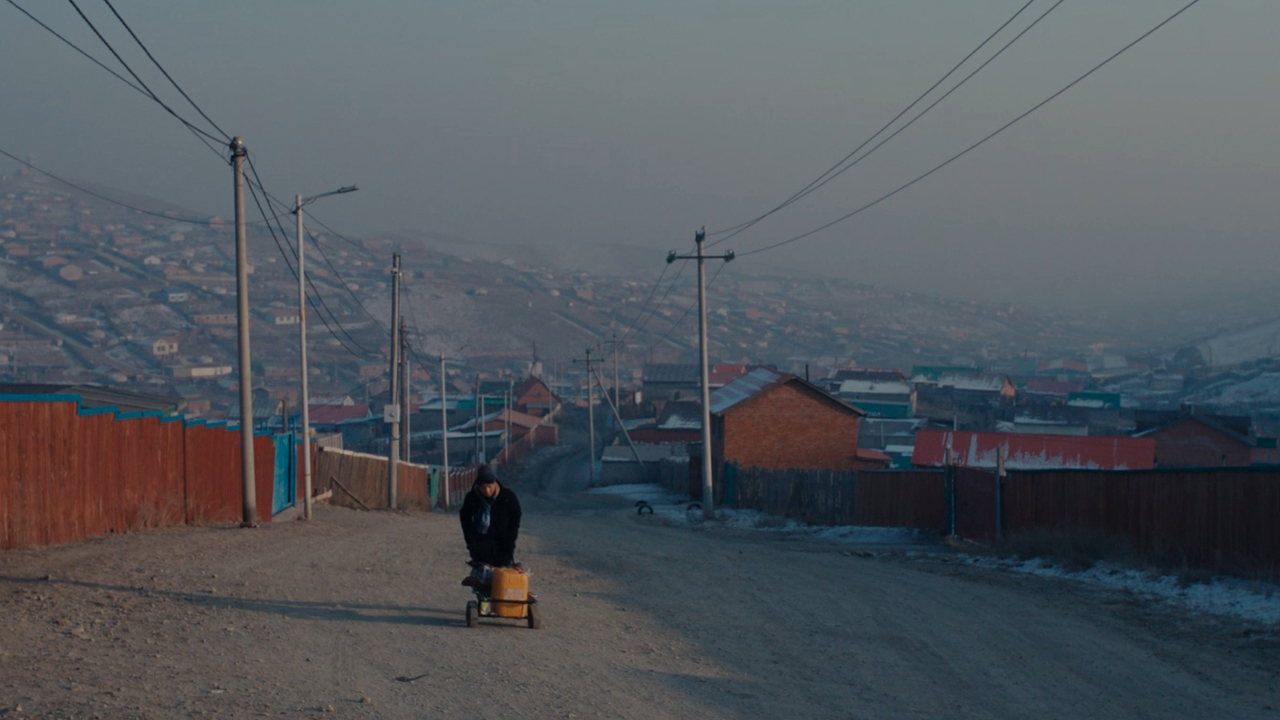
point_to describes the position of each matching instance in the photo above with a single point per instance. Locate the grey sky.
(633, 123)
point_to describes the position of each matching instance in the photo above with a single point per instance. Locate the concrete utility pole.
(708, 487)
(444, 436)
(302, 347)
(392, 414)
(475, 431)
(248, 486)
(406, 445)
(591, 422)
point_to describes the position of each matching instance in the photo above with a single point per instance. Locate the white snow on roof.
(872, 387)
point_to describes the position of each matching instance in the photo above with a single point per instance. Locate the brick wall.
(789, 427)
(1190, 443)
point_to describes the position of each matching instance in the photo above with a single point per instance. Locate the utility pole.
(444, 436)
(249, 517)
(511, 401)
(302, 346)
(708, 487)
(591, 422)
(406, 443)
(392, 414)
(475, 431)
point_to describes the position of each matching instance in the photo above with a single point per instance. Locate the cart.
(483, 606)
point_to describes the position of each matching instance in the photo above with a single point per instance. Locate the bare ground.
(361, 615)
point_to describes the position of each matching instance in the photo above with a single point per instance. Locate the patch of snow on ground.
(1250, 601)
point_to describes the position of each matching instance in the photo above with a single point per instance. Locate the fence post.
(949, 489)
(1002, 455)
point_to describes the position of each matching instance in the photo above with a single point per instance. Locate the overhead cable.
(736, 229)
(977, 144)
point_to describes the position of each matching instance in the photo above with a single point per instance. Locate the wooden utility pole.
(249, 517)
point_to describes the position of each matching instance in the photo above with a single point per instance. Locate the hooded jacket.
(497, 546)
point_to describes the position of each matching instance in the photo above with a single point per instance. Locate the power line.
(687, 310)
(652, 291)
(254, 193)
(165, 72)
(732, 231)
(75, 47)
(140, 81)
(923, 112)
(100, 196)
(974, 146)
(663, 299)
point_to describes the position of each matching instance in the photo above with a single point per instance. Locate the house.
(720, 374)
(773, 419)
(534, 397)
(840, 375)
(277, 316)
(173, 295)
(153, 261)
(53, 261)
(671, 381)
(1047, 419)
(1049, 390)
(521, 423)
(932, 373)
(71, 272)
(161, 347)
(1064, 370)
(894, 437)
(214, 319)
(1202, 441)
(978, 386)
(1032, 452)
(879, 398)
(679, 422)
(200, 371)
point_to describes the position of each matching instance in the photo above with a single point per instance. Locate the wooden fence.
(886, 498)
(359, 480)
(1216, 518)
(68, 472)
(1219, 518)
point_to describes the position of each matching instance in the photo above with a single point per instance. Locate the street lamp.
(302, 335)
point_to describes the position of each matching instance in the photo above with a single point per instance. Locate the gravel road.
(359, 615)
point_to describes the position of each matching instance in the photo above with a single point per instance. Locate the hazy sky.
(636, 122)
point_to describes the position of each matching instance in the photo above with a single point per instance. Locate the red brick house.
(776, 420)
(1200, 441)
(533, 397)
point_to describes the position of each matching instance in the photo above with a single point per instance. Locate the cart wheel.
(473, 614)
(535, 617)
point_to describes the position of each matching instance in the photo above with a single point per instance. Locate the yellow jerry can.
(510, 584)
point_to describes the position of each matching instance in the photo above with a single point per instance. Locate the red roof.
(1034, 452)
(719, 375)
(334, 414)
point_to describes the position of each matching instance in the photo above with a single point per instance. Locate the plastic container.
(509, 584)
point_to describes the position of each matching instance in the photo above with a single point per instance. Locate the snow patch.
(1230, 597)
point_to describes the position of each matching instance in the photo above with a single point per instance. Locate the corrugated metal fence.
(886, 498)
(67, 472)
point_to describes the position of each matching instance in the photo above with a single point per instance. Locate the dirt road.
(642, 620)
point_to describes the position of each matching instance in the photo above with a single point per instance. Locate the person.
(490, 519)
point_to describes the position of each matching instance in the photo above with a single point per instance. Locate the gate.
(284, 484)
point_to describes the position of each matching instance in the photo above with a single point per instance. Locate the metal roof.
(92, 396)
(672, 373)
(759, 381)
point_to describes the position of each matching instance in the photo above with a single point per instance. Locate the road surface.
(359, 615)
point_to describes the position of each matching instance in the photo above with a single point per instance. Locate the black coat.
(497, 546)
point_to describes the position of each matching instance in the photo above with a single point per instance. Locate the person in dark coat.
(490, 518)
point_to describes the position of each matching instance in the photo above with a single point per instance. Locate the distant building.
(199, 371)
(277, 316)
(71, 272)
(671, 381)
(534, 397)
(880, 399)
(214, 319)
(1203, 441)
(162, 347)
(173, 295)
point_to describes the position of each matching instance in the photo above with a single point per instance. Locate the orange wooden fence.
(67, 472)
